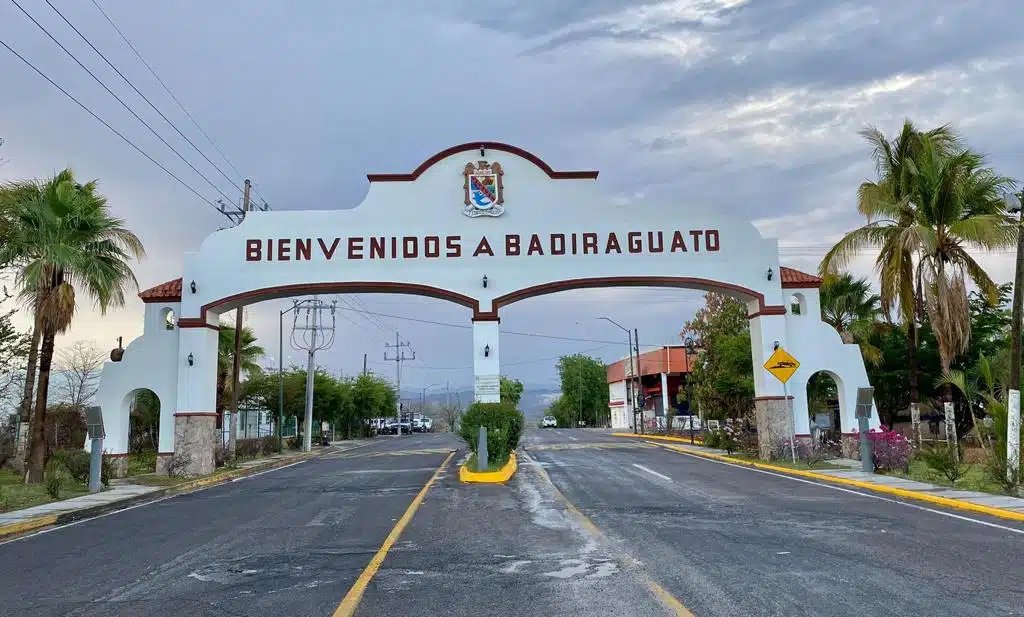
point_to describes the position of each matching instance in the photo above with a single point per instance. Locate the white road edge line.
(139, 505)
(847, 490)
(260, 473)
(652, 472)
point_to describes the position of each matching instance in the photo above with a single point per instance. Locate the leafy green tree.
(249, 355)
(723, 376)
(511, 390)
(63, 240)
(584, 382)
(887, 204)
(849, 306)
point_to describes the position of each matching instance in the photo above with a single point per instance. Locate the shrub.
(947, 461)
(76, 462)
(268, 445)
(294, 442)
(504, 428)
(890, 450)
(801, 448)
(178, 464)
(996, 472)
(248, 448)
(54, 477)
(220, 455)
(713, 439)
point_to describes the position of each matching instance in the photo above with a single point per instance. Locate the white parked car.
(548, 422)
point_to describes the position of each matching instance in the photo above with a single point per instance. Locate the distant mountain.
(534, 402)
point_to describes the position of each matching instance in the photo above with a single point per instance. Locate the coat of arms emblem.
(483, 189)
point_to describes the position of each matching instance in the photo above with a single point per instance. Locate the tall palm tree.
(64, 238)
(959, 206)
(849, 306)
(250, 353)
(890, 211)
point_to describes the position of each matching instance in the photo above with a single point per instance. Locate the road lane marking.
(851, 491)
(350, 602)
(406, 470)
(572, 438)
(667, 599)
(652, 472)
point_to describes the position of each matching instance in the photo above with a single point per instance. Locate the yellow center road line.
(350, 603)
(670, 602)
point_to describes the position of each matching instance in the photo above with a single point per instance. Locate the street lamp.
(691, 349)
(280, 376)
(632, 386)
(423, 396)
(1013, 202)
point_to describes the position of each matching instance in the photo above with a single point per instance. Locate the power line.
(465, 327)
(144, 98)
(119, 99)
(167, 89)
(106, 124)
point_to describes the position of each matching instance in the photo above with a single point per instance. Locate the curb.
(946, 502)
(70, 516)
(686, 440)
(490, 477)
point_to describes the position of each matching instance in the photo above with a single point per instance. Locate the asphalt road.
(590, 525)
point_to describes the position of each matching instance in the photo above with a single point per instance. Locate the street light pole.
(423, 396)
(280, 375)
(631, 388)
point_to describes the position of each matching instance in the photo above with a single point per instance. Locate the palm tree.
(250, 353)
(849, 306)
(64, 237)
(890, 212)
(959, 205)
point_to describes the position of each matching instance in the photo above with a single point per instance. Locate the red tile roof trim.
(795, 279)
(164, 292)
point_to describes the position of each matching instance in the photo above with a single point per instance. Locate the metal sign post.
(863, 412)
(782, 366)
(94, 428)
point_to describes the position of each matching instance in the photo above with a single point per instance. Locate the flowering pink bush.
(890, 449)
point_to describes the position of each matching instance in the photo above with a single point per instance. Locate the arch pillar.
(773, 404)
(195, 416)
(486, 364)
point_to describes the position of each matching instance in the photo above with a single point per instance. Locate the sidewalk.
(122, 493)
(1002, 506)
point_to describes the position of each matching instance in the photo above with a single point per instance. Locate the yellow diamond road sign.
(782, 365)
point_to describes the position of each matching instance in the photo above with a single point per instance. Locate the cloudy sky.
(745, 106)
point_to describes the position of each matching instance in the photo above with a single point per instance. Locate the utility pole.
(364, 364)
(638, 391)
(1015, 203)
(311, 336)
(236, 363)
(399, 350)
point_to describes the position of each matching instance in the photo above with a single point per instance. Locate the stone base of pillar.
(195, 436)
(118, 466)
(773, 415)
(163, 462)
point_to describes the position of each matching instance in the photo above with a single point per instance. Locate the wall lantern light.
(775, 346)
(192, 286)
(487, 350)
(482, 151)
(191, 359)
(770, 274)
(485, 280)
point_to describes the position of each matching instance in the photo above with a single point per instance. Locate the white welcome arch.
(483, 225)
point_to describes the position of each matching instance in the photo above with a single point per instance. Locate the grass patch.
(142, 463)
(801, 465)
(16, 495)
(973, 480)
(155, 479)
(471, 464)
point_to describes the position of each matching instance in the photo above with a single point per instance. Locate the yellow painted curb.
(28, 525)
(490, 477)
(696, 440)
(947, 502)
